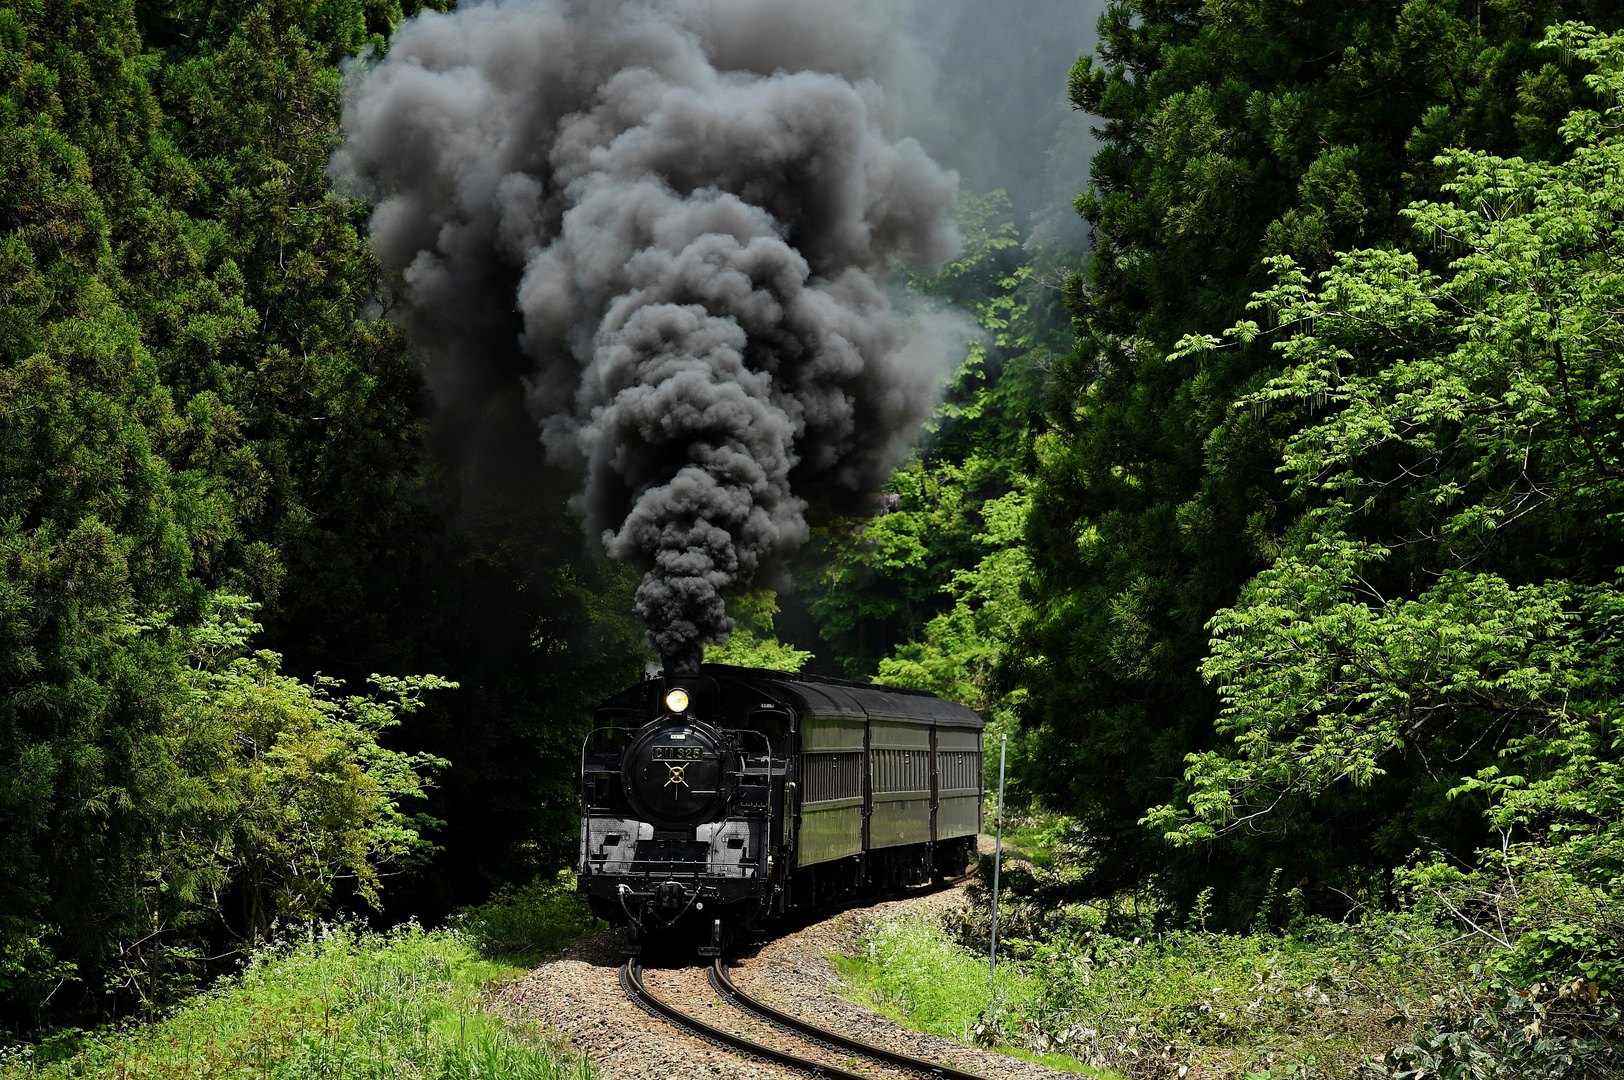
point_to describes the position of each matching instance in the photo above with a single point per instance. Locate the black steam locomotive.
(723, 799)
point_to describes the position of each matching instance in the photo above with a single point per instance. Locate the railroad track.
(631, 980)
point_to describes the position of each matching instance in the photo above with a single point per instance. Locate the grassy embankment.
(1317, 1000)
(339, 1002)
(910, 970)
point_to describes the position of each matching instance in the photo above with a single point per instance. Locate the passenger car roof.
(825, 697)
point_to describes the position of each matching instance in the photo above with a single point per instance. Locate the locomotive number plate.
(676, 753)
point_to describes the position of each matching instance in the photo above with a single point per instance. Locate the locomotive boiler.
(719, 800)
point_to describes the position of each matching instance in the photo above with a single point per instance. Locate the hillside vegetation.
(335, 999)
(208, 423)
(1317, 552)
(1277, 527)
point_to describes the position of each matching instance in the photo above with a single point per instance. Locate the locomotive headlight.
(677, 701)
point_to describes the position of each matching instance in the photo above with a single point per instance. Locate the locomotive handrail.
(763, 858)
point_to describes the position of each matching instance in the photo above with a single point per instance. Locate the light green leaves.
(752, 643)
(276, 788)
(1322, 678)
(1452, 588)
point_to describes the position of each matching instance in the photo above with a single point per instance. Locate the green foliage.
(254, 797)
(1038, 837)
(752, 643)
(532, 920)
(1453, 594)
(201, 397)
(294, 789)
(1479, 1039)
(1236, 134)
(334, 1002)
(878, 580)
(362, 573)
(130, 483)
(1318, 1000)
(958, 652)
(910, 968)
(1557, 895)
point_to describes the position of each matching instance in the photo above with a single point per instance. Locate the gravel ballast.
(579, 996)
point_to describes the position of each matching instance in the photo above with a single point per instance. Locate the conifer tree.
(1233, 132)
(204, 407)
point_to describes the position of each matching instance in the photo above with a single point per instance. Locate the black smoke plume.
(690, 206)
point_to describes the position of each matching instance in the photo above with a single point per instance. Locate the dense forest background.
(217, 443)
(1273, 516)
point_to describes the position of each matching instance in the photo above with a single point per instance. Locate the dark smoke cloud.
(690, 207)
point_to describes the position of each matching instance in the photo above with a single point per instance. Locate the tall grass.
(909, 966)
(1316, 1002)
(911, 969)
(338, 1004)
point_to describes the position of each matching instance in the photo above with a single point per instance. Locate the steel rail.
(631, 981)
(723, 984)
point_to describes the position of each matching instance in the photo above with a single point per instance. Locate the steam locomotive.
(719, 800)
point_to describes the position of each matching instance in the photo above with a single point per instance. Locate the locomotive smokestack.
(690, 203)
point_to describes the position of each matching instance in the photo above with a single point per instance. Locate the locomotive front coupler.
(666, 896)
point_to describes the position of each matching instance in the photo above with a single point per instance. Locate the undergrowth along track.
(631, 981)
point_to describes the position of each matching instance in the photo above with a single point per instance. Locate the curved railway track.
(631, 981)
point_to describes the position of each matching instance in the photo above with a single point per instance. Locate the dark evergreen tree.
(382, 561)
(202, 395)
(1232, 132)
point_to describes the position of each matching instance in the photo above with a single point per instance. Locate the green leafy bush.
(752, 643)
(334, 1002)
(248, 799)
(1126, 982)
(536, 919)
(1503, 1034)
(285, 786)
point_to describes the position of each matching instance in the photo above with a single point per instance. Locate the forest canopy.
(1276, 525)
(1448, 593)
(210, 421)
(1237, 137)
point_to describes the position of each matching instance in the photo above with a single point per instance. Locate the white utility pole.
(997, 858)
